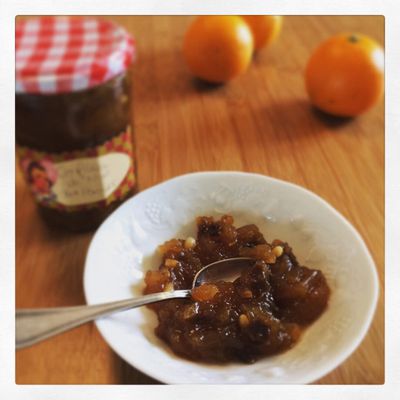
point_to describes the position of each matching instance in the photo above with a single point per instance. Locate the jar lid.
(66, 54)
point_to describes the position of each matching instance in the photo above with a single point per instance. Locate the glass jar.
(73, 131)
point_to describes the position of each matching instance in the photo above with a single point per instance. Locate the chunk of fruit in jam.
(205, 292)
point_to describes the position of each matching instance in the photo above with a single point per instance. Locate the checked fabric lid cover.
(65, 54)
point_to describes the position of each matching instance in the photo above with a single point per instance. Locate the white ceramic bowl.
(124, 248)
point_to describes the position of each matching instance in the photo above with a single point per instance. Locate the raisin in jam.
(261, 313)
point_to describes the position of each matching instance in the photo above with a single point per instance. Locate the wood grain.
(261, 122)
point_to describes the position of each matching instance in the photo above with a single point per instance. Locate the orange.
(265, 28)
(345, 75)
(217, 48)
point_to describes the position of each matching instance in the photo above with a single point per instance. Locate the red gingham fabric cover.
(65, 54)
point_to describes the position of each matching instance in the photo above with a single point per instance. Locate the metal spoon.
(35, 325)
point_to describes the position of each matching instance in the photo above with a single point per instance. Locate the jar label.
(81, 179)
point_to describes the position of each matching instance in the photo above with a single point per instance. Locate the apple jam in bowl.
(284, 322)
(261, 313)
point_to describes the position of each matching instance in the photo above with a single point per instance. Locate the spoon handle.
(35, 325)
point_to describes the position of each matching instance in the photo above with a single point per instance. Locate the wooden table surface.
(261, 122)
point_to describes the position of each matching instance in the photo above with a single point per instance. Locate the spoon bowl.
(223, 270)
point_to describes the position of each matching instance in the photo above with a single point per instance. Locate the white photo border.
(10, 9)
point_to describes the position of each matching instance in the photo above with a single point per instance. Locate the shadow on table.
(330, 120)
(131, 376)
(58, 256)
(298, 118)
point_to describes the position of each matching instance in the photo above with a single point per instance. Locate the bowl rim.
(307, 378)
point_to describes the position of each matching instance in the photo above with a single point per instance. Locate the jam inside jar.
(73, 133)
